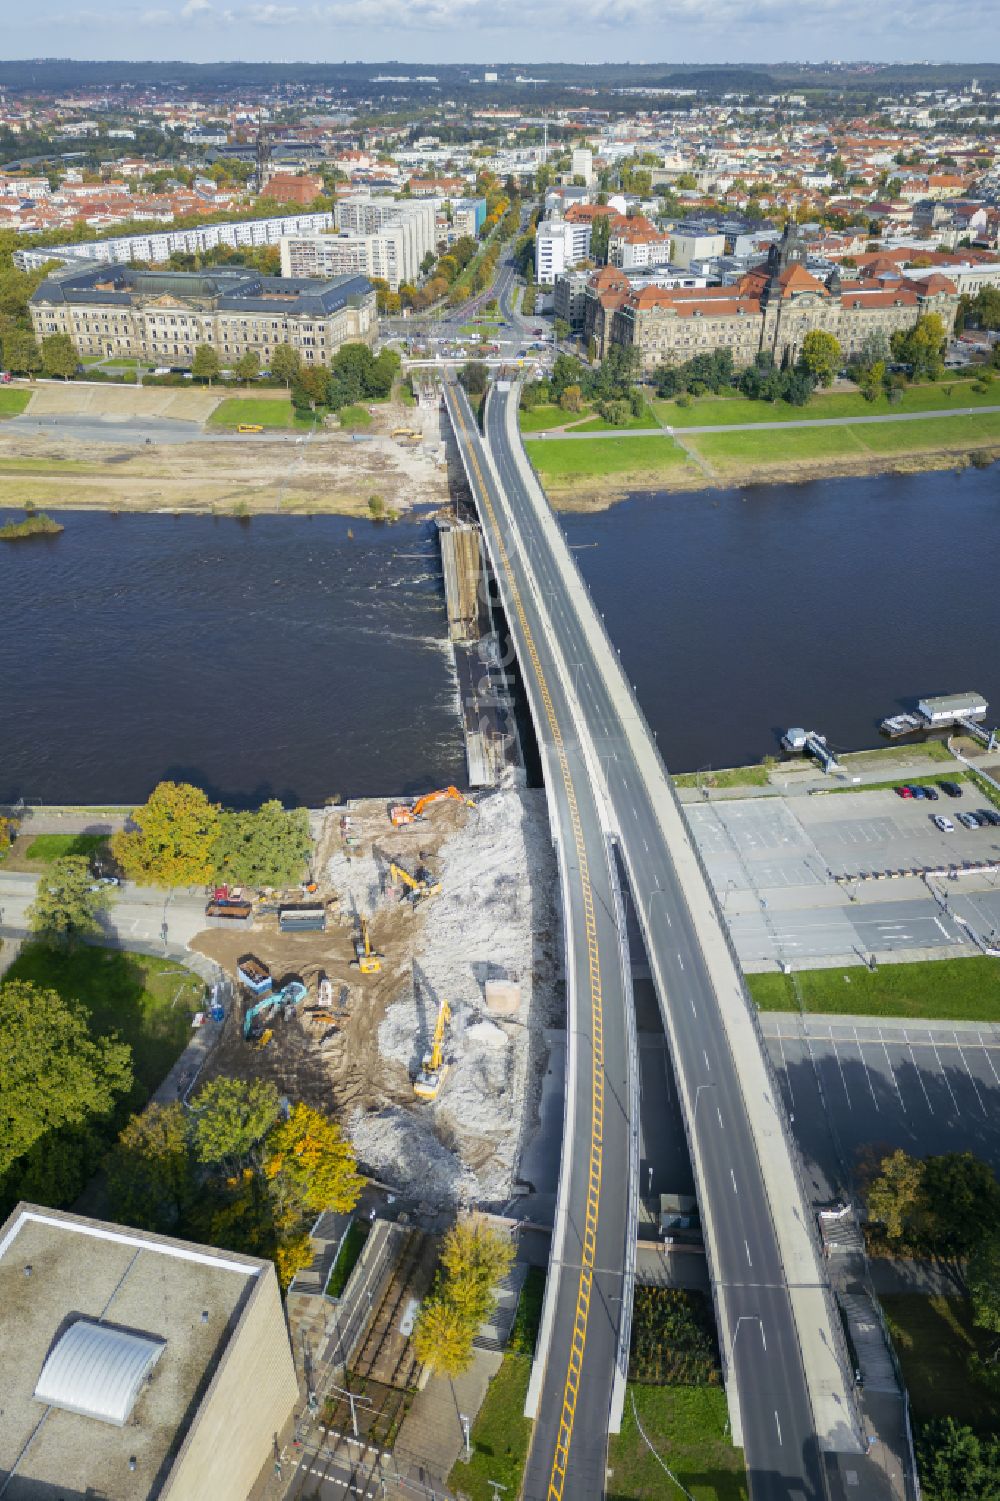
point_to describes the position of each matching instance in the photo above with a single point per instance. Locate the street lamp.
(355, 1402)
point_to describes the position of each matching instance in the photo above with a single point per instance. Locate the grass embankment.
(355, 417)
(736, 451)
(598, 424)
(13, 402)
(544, 418)
(500, 1435)
(49, 847)
(148, 1002)
(711, 411)
(36, 525)
(622, 459)
(687, 1426)
(347, 1257)
(928, 781)
(269, 411)
(939, 989)
(729, 776)
(934, 1340)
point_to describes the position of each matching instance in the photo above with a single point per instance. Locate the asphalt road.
(593, 1241)
(781, 1448)
(137, 914)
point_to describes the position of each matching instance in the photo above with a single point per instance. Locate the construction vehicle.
(418, 886)
(253, 975)
(263, 1039)
(404, 813)
(289, 997)
(427, 1084)
(367, 960)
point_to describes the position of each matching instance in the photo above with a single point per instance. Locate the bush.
(673, 1339)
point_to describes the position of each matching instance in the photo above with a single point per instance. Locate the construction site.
(406, 988)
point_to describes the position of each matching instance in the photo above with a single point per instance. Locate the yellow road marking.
(557, 1479)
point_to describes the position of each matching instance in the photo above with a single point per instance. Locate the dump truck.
(224, 913)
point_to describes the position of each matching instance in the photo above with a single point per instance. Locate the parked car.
(950, 789)
(943, 823)
(931, 792)
(990, 815)
(903, 791)
(969, 820)
(919, 792)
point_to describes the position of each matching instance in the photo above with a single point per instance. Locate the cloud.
(191, 9)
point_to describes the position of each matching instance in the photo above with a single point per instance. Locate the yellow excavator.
(427, 1084)
(367, 960)
(404, 813)
(418, 886)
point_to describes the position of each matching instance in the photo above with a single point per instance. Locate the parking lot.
(857, 1083)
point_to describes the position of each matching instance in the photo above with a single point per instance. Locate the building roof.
(224, 288)
(97, 1370)
(74, 1294)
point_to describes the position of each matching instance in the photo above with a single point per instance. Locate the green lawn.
(347, 1257)
(646, 418)
(269, 413)
(500, 1435)
(483, 330)
(13, 402)
(529, 1313)
(148, 1002)
(943, 989)
(604, 456)
(50, 847)
(706, 411)
(731, 776)
(928, 781)
(687, 1426)
(737, 449)
(543, 417)
(934, 1338)
(930, 432)
(354, 416)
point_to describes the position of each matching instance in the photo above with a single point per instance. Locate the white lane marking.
(944, 1076)
(762, 1337)
(746, 1247)
(694, 1010)
(918, 1072)
(719, 1114)
(778, 1426)
(843, 1077)
(989, 1060)
(784, 1070)
(938, 923)
(704, 1054)
(680, 961)
(733, 1176)
(892, 1071)
(968, 1070)
(864, 1065)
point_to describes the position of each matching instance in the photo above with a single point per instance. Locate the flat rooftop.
(188, 1297)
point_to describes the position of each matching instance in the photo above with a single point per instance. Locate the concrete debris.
(403, 1151)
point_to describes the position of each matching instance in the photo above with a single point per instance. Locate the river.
(284, 656)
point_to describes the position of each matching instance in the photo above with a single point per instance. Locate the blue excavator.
(293, 994)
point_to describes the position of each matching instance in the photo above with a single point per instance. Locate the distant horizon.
(774, 64)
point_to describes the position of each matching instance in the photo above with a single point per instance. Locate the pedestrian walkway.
(432, 1436)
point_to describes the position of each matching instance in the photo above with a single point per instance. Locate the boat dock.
(964, 711)
(812, 743)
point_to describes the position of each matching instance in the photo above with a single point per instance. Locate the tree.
(266, 848)
(68, 902)
(310, 388)
(309, 1161)
(230, 1118)
(475, 1260)
(962, 1203)
(922, 347)
(247, 367)
(561, 329)
(55, 1073)
(599, 237)
(443, 1336)
(285, 363)
(983, 1281)
(821, 356)
(475, 377)
(21, 354)
(571, 399)
(151, 1170)
(956, 1465)
(206, 364)
(895, 1197)
(172, 843)
(59, 356)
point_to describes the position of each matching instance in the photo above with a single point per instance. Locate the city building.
(582, 165)
(634, 243)
(691, 245)
(771, 309)
(160, 244)
(559, 244)
(291, 187)
(138, 1366)
(360, 213)
(163, 316)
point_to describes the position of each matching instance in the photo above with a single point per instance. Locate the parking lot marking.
(989, 1060)
(892, 1071)
(836, 1054)
(968, 1070)
(938, 923)
(864, 1065)
(916, 1070)
(944, 1076)
(784, 1070)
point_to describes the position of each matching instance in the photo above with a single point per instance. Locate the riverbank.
(595, 474)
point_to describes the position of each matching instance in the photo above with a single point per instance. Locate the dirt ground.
(325, 472)
(335, 1069)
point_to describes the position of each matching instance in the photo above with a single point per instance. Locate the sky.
(497, 31)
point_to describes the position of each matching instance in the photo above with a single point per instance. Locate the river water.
(304, 657)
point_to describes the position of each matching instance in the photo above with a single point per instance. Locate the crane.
(404, 813)
(367, 960)
(427, 1084)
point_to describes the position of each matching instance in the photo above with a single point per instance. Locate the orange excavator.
(404, 813)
